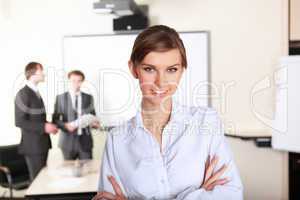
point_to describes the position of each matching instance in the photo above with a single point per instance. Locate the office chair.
(13, 169)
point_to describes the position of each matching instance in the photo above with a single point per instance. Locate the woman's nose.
(160, 80)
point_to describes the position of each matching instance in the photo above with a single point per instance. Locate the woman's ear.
(132, 69)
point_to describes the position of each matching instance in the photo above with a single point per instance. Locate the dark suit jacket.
(64, 112)
(30, 116)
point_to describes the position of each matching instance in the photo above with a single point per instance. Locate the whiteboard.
(286, 129)
(104, 61)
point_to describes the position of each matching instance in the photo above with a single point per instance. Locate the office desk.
(60, 183)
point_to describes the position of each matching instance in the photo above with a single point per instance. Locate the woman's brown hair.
(159, 38)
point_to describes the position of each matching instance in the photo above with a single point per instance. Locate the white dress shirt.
(132, 155)
(33, 87)
(77, 123)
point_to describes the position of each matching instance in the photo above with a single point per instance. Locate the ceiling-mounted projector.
(130, 15)
(117, 7)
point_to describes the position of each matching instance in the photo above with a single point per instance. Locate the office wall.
(294, 19)
(247, 38)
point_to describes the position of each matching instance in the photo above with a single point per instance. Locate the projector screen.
(104, 61)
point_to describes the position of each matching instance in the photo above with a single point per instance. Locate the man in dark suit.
(75, 140)
(30, 116)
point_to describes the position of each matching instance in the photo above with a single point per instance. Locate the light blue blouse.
(132, 155)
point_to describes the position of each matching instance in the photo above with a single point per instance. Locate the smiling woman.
(167, 151)
(159, 74)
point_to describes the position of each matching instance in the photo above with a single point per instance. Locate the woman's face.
(159, 75)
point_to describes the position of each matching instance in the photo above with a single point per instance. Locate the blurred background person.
(30, 117)
(75, 140)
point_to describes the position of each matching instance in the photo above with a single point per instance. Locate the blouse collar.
(179, 114)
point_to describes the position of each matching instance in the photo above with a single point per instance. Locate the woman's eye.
(172, 69)
(148, 69)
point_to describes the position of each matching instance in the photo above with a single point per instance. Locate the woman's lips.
(159, 93)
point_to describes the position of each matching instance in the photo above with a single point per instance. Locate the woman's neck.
(155, 117)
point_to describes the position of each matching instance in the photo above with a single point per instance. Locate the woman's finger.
(222, 181)
(97, 196)
(115, 186)
(216, 175)
(211, 168)
(207, 163)
(104, 195)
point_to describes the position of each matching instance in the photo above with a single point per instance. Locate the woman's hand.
(213, 179)
(109, 196)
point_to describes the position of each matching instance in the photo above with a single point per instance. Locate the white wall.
(247, 38)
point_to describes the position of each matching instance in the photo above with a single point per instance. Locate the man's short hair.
(76, 72)
(31, 68)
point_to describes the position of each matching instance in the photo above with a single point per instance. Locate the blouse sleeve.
(108, 167)
(233, 190)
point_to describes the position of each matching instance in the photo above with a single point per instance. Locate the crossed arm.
(212, 179)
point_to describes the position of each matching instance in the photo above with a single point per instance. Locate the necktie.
(76, 106)
(79, 131)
